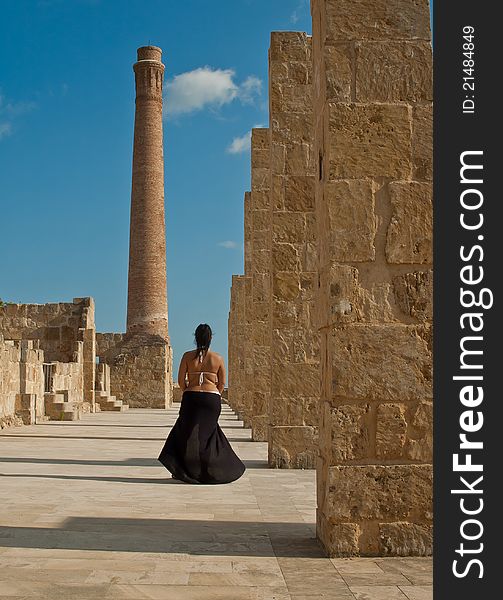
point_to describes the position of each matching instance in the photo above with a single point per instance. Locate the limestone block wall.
(236, 348)
(295, 380)
(372, 104)
(141, 369)
(69, 378)
(21, 382)
(260, 269)
(106, 341)
(58, 327)
(248, 349)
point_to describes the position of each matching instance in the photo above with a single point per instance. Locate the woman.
(197, 450)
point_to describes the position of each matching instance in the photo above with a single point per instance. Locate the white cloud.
(206, 87)
(228, 244)
(9, 111)
(240, 144)
(249, 89)
(5, 129)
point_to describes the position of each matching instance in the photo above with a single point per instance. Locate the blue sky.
(66, 126)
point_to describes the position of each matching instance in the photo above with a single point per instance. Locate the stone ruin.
(330, 323)
(330, 341)
(53, 363)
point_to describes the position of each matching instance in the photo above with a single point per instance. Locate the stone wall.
(141, 368)
(236, 347)
(293, 409)
(59, 328)
(372, 106)
(260, 269)
(21, 382)
(106, 341)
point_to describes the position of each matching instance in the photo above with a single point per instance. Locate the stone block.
(337, 63)
(285, 257)
(351, 222)
(295, 380)
(338, 539)
(289, 46)
(366, 359)
(392, 71)
(289, 227)
(290, 98)
(345, 434)
(422, 142)
(293, 447)
(299, 193)
(377, 492)
(375, 19)
(405, 539)
(391, 431)
(410, 232)
(413, 293)
(369, 140)
(261, 198)
(286, 285)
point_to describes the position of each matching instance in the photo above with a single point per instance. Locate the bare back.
(205, 376)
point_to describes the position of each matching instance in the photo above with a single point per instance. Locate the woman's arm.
(182, 370)
(221, 377)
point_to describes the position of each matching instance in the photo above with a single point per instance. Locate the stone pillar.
(260, 359)
(236, 374)
(295, 379)
(372, 106)
(247, 318)
(147, 311)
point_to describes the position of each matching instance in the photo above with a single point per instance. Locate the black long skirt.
(196, 450)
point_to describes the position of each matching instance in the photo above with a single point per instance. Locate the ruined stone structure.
(348, 273)
(21, 382)
(141, 360)
(51, 349)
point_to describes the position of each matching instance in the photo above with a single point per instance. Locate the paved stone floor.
(86, 512)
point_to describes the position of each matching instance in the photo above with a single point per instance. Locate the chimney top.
(149, 53)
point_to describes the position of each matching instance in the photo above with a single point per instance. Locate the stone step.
(62, 411)
(110, 403)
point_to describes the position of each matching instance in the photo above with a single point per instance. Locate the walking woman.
(197, 450)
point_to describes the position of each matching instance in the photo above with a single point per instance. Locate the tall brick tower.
(147, 310)
(141, 360)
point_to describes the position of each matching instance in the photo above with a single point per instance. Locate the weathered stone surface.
(365, 492)
(405, 539)
(299, 193)
(337, 63)
(348, 428)
(351, 220)
(369, 140)
(394, 71)
(391, 431)
(414, 294)
(375, 19)
(366, 359)
(339, 539)
(287, 46)
(289, 227)
(422, 142)
(409, 237)
(293, 447)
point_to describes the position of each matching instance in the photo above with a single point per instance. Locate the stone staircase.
(110, 403)
(59, 408)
